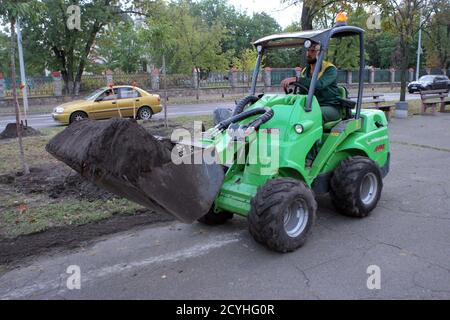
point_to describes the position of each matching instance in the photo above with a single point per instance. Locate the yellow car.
(104, 103)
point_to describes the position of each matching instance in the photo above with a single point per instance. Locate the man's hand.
(286, 82)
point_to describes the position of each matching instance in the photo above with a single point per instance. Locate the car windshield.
(94, 95)
(426, 79)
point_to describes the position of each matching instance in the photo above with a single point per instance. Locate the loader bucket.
(122, 157)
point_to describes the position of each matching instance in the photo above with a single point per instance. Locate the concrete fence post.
(392, 79)
(57, 83)
(155, 79)
(371, 75)
(109, 77)
(2, 86)
(349, 76)
(195, 78)
(411, 74)
(267, 76)
(234, 77)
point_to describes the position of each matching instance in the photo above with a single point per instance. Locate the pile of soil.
(56, 181)
(11, 131)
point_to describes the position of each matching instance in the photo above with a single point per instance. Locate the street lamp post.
(419, 46)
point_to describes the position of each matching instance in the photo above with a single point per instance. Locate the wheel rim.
(296, 218)
(79, 117)
(145, 114)
(369, 188)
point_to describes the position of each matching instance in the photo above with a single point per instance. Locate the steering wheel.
(298, 88)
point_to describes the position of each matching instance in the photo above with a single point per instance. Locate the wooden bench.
(433, 98)
(376, 101)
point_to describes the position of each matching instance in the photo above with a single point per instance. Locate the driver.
(326, 91)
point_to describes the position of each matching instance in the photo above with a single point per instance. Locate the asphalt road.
(407, 236)
(45, 120)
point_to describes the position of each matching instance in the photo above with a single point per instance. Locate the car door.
(438, 83)
(129, 101)
(105, 106)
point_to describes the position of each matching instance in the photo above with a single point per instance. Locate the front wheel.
(144, 113)
(356, 186)
(282, 214)
(77, 116)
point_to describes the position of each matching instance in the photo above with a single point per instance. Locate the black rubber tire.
(221, 114)
(266, 218)
(214, 219)
(76, 114)
(142, 110)
(346, 185)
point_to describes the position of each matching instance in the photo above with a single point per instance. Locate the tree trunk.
(403, 68)
(25, 168)
(306, 19)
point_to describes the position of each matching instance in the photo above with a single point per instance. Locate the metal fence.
(37, 86)
(44, 86)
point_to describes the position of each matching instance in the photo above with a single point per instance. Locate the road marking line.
(191, 252)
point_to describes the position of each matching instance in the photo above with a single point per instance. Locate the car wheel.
(78, 116)
(144, 113)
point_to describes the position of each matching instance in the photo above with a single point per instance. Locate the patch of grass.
(26, 219)
(34, 149)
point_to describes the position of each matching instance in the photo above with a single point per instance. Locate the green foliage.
(186, 40)
(437, 35)
(120, 48)
(247, 61)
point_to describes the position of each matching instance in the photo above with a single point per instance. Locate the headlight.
(59, 109)
(298, 128)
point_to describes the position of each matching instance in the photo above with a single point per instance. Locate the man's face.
(312, 54)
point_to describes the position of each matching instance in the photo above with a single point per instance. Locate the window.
(128, 93)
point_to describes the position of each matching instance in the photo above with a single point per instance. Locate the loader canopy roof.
(295, 39)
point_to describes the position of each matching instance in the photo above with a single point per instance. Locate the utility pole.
(22, 72)
(419, 46)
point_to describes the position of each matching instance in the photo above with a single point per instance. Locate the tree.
(120, 48)
(10, 10)
(67, 49)
(404, 18)
(437, 35)
(186, 40)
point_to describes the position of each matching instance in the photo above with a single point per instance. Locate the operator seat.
(346, 109)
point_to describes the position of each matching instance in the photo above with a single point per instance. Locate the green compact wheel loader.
(266, 161)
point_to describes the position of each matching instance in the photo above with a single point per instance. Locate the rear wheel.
(282, 214)
(356, 186)
(144, 113)
(78, 116)
(212, 218)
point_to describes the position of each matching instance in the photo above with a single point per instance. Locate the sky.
(283, 13)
